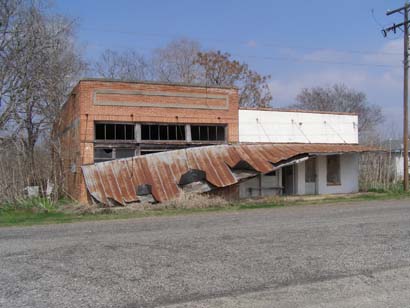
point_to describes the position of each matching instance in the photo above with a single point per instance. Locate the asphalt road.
(344, 255)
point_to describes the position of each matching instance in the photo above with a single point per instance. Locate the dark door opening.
(288, 180)
(310, 177)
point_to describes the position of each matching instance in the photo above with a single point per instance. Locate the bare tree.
(10, 49)
(340, 98)
(221, 70)
(127, 65)
(40, 67)
(183, 61)
(47, 66)
(176, 62)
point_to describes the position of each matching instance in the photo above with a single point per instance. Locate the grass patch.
(39, 211)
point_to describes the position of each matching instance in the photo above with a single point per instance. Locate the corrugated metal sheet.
(115, 182)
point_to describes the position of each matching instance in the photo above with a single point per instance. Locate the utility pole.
(404, 26)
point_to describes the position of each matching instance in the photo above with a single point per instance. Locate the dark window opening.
(154, 132)
(172, 132)
(162, 132)
(220, 133)
(333, 169)
(129, 132)
(203, 133)
(180, 132)
(103, 155)
(108, 131)
(99, 131)
(212, 133)
(120, 132)
(145, 132)
(208, 132)
(124, 153)
(195, 132)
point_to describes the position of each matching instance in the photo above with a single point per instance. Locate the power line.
(263, 44)
(284, 59)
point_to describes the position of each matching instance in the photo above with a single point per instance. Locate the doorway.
(310, 177)
(288, 180)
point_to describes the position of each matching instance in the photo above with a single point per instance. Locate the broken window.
(124, 153)
(111, 131)
(103, 155)
(162, 132)
(333, 169)
(208, 132)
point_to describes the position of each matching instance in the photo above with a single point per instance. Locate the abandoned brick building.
(106, 125)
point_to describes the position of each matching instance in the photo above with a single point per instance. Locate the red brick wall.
(188, 97)
(67, 148)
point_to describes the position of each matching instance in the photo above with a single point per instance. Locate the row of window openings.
(105, 131)
(104, 154)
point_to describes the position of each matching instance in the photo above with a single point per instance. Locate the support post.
(405, 27)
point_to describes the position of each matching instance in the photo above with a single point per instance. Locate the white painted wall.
(349, 178)
(349, 175)
(298, 127)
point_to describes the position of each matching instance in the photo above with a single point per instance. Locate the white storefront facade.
(334, 173)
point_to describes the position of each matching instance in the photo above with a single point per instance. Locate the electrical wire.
(285, 59)
(260, 43)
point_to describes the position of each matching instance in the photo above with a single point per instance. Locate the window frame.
(338, 181)
(113, 153)
(178, 132)
(208, 126)
(125, 140)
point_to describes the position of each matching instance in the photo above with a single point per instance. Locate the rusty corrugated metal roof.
(115, 182)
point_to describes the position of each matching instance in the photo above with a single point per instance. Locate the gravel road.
(340, 255)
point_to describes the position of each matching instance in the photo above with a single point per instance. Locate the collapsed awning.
(163, 176)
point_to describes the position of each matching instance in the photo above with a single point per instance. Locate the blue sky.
(299, 43)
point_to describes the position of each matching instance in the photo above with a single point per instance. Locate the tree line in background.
(184, 61)
(40, 63)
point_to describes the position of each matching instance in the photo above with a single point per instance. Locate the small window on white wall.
(333, 169)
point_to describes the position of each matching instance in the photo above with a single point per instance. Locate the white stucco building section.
(297, 127)
(349, 176)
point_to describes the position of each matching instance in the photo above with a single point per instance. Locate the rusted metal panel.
(126, 186)
(94, 185)
(115, 182)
